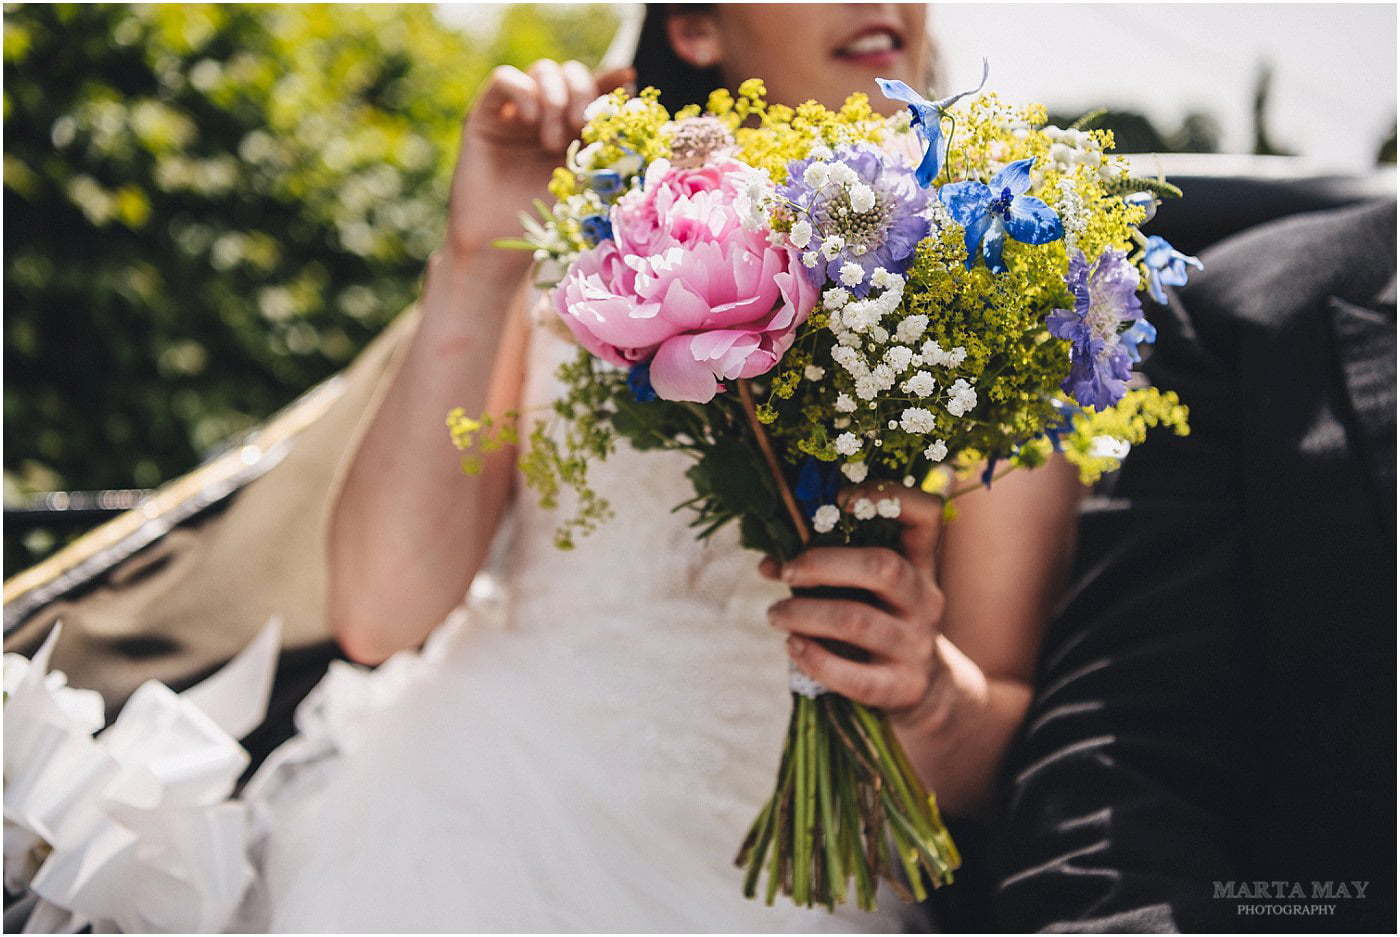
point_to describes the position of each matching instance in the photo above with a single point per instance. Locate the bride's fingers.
(856, 623)
(880, 685)
(883, 572)
(554, 103)
(920, 516)
(611, 79)
(769, 568)
(510, 94)
(582, 91)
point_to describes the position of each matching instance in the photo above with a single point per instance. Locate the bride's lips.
(871, 47)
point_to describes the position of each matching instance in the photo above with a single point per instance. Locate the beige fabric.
(193, 598)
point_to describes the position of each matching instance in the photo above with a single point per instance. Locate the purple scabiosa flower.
(865, 206)
(1165, 266)
(1101, 356)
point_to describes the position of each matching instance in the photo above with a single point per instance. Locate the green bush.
(209, 208)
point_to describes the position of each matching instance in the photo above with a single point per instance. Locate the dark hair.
(658, 65)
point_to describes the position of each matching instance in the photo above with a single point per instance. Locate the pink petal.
(677, 375)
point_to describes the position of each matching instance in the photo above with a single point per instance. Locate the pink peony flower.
(685, 286)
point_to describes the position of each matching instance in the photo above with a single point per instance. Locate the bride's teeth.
(869, 43)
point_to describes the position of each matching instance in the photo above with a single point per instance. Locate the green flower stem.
(828, 764)
(801, 846)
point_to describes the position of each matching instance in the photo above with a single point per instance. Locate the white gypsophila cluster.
(933, 354)
(937, 451)
(834, 298)
(888, 507)
(801, 233)
(1074, 214)
(918, 420)
(961, 397)
(814, 372)
(825, 518)
(753, 202)
(910, 329)
(852, 273)
(921, 384)
(855, 472)
(898, 357)
(1070, 148)
(863, 509)
(847, 444)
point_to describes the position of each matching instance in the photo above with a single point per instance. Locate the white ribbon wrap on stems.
(802, 684)
(130, 829)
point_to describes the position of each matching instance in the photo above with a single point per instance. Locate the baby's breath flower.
(898, 357)
(961, 397)
(801, 234)
(910, 328)
(855, 471)
(852, 274)
(835, 298)
(814, 372)
(809, 259)
(888, 507)
(937, 451)
(825, 518)
(847, 444)
(832, 246)
(844, 403)
(921, 384)
(842, 174)
(918, 420)
(862, 198)
(863, 509)
(815, 175)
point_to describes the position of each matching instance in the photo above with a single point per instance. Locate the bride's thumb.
(610, 79)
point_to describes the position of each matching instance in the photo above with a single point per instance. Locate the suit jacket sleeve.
(1121, 789)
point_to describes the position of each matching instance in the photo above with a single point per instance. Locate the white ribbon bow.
(130, 829)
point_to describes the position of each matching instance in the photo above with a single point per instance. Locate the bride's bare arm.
(408, 530)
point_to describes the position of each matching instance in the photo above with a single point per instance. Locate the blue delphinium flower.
(596, 229)
(1101, 356)
(1063, 428)
(1166, 266)
(927, 120)
(817, 484)
(639, 383)
(606, 182)
(884, 234)
(988, 213)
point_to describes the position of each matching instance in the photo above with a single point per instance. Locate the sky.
(1334, 88)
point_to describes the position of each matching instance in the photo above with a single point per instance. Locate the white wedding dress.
(581, 747)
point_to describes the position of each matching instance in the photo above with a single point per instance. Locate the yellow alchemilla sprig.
(1126, 422)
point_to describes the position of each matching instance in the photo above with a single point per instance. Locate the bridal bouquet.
(802, 298)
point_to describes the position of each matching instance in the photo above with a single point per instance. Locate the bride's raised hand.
(514, 137)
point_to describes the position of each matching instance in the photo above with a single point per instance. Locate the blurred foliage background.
(210, 208)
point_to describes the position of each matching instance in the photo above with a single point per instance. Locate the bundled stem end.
(848, 810)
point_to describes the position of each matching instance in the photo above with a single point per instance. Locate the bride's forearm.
(408, 529)
(957, 745)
